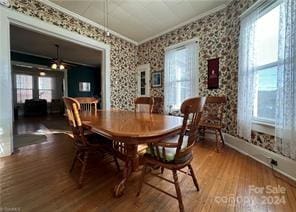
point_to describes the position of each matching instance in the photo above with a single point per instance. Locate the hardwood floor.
(37, 179)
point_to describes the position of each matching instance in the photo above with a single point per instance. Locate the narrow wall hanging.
(213, 73)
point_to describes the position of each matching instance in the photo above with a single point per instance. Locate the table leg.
(131, 164)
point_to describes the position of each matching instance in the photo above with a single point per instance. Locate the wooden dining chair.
(144, 104)
(85, 144)
(212, 118)
(176, 153)
(157, 105)
(87, 103)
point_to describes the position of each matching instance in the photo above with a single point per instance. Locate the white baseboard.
(285, 166)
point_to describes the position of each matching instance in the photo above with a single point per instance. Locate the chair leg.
(193, 177)
(221, 135)
(85, 157)
(74, 161)
(142, 179)
(178, 191)
(161, 170)
(116, 162)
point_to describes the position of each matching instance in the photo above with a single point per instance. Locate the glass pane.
(45, 94)
(181, 72)
(182, 92)
(45, 82)
(266, 93)
(143, 91)
(24, 81)
(23, 94)
(266, 37)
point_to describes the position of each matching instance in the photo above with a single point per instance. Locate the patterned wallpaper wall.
(218, 36)
(123, 53)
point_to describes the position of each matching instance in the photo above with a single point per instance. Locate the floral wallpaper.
(123, 53)
(218, 36)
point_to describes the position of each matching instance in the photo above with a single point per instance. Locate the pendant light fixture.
(57, 63)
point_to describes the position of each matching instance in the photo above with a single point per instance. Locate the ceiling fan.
(57, 63)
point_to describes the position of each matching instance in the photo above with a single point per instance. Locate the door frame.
(10, 17)
(146, 67)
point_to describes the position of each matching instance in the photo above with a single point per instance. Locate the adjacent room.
(44, 69)
(148, 105)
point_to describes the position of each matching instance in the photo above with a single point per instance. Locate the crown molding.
(86, 20)
(216, 9)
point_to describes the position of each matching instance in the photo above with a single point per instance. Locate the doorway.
(8, 18)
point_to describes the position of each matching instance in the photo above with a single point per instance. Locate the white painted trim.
(6, 96)
(65, 87)
(185, 23)
(183, 43)
(263, 128)
(286, 166)
(86, 20)
(8, 17)
(140, 68)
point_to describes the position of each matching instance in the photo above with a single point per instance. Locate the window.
(266, 61)
(181, 75)
(24, 87)
(45, 85)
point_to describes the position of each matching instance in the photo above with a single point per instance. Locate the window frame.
(180, 46)
(264, 122)
(17, 89)
(45, 89)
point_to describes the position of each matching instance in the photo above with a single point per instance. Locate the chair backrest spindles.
(87, 103)
(192, 109)
(143, 101)
(73, 109)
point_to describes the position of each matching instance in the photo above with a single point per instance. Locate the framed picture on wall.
(84, 86)
(156, 79)
(213, 73)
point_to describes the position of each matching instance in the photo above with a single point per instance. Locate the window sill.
(263, 127)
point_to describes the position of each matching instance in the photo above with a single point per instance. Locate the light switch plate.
(5, 2)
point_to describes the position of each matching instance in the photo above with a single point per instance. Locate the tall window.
(266, 62)
(45, 85)
(258, 67)
(24, 87)
(181, 75)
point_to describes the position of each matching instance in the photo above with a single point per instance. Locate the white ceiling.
(26, 41)
(140, 20)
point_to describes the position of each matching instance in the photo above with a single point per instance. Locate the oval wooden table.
(131, 128)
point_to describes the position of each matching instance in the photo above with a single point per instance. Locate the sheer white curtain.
(286, 94)
(181, 75)
(246, 82)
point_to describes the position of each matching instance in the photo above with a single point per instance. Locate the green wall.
(83, 74)
(76, 74)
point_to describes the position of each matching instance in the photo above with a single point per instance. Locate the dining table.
(131, 129)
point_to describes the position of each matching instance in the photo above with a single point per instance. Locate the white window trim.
(176, 46)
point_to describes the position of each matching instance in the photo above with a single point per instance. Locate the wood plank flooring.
(36, 178)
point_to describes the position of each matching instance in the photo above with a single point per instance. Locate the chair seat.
(211, 125)
(170, 153)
